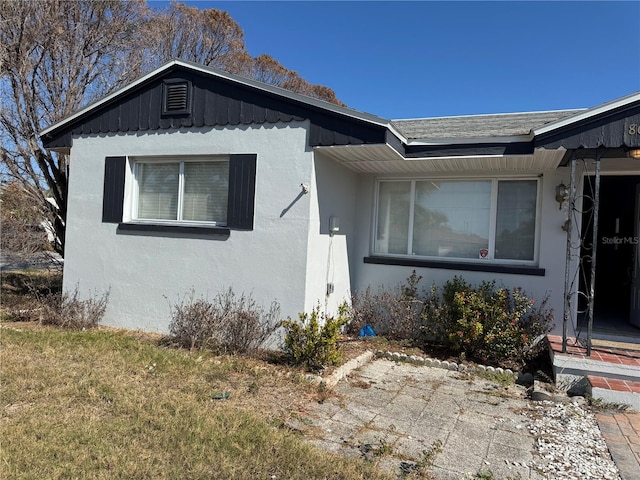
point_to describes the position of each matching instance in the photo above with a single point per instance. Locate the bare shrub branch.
(68, 310)
(228, 324)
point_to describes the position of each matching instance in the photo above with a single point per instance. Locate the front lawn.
(113, 404)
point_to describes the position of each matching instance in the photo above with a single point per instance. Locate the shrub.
(193, 322)
(313, 341)
(392, 313)
(485, 323)
(247, 325)
(439, 312)
(67, 310)
(228, 324)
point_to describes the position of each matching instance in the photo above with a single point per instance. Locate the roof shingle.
(478, 126)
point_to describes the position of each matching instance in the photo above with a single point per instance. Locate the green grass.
(109, 404)
(503, 379)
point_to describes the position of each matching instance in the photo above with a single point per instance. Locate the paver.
(408, 409)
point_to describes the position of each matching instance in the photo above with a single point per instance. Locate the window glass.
(189, 191)
(158, 190)
(516, 220)
(456, 219)
(393, 217)
(451, 218)
(206, 187)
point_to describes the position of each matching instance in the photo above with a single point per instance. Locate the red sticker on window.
(484, 253)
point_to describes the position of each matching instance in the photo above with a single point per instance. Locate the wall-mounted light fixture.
(562, 194)
(634, 153)
(334, 225)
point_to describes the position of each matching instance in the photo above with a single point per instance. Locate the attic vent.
(176, 98)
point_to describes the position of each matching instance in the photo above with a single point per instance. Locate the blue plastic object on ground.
(367, 331)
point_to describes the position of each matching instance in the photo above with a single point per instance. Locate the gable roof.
(612, 126)
(220, 98)
(587, 114)
(215, 72)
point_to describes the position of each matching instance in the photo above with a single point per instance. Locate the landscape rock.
(525, 379)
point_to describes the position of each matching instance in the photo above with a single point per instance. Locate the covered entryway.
(601, 273)
(615, 288)
(601, 270)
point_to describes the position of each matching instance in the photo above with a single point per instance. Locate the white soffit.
(383, 159)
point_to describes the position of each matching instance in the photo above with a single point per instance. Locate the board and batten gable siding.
(214, 102)
(146, 272)
(612, 130)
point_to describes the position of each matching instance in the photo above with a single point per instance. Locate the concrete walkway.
(621, 431)
(451, 424)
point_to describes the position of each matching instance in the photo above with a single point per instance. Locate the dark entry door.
(635, 280)
(617, 244)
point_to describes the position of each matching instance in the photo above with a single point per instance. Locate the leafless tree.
(55, 57)
(58, 56)
(212, 38)
(23, 229)
(209, 37)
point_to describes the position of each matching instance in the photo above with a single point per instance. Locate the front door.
(617, 279)
(635, 280)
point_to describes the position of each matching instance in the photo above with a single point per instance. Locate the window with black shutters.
(217, 191)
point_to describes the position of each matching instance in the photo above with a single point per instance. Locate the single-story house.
(193, 178)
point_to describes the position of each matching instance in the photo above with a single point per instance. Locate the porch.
(610, 373)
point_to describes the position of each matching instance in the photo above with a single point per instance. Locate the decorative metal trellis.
(580, 267)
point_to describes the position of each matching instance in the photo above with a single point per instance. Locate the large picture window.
(492, 219)
(182, 191)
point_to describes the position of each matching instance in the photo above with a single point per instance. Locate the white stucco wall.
(147, 272)
(333, 194)
(552, 249)
(289, 256)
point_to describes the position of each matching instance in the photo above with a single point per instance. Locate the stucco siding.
(333, 194)
(551, 242)
(146, 272)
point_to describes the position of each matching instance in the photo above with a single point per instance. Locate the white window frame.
(137, 161)
(492, 220)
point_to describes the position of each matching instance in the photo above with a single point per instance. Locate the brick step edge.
(613, 384)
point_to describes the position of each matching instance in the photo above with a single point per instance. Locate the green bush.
(313, 341)
(486, 323)
(489, 321)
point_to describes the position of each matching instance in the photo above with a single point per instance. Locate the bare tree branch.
(58, 56)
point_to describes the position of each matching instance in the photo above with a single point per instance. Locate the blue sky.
(422, 59)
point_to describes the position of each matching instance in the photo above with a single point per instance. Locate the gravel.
(569, 443)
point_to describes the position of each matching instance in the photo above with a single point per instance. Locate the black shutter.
(113, 195)
(242, 191)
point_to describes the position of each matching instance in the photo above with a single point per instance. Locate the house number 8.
(634, 129)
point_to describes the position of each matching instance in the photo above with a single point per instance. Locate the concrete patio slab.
(462, 424)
